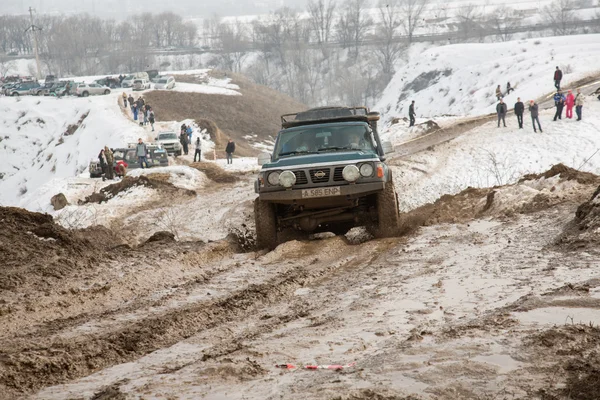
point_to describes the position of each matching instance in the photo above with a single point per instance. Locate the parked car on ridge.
(165, 82)
(141, 84)
(85, 90)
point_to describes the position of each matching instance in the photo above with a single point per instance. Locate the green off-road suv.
(326, 174)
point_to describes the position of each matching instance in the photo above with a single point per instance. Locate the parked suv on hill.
(327, 173)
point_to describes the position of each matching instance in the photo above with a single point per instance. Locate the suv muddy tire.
(387, 212)
(266, 225)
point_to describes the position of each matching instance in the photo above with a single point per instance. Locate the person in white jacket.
(579, 100)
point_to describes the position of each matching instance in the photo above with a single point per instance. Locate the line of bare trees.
(81, 44)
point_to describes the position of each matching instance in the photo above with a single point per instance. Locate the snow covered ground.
(489, 156)
(461, 79)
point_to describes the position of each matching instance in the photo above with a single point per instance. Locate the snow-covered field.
(461, 79)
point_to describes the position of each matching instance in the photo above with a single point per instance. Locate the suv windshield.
(167, 136)
(322, 139)
(162, 81)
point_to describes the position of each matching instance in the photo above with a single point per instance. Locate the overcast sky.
(122, 8)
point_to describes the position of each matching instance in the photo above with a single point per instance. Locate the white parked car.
(165, 82)
(141, 84)
(89, 89)
(129, 79)
(170, 142)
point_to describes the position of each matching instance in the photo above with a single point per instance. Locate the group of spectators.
(142, 112)
(560, 102)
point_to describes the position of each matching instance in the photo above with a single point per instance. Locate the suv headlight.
(273, 178)
(287, 179)
(351, 173)
(366, 169)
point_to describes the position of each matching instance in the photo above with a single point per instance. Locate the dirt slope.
(256, 112)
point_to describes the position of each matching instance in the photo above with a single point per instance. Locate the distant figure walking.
(142, 152)
(519, 110)
(579, 100)
(501, 110)
(124, 95)
(110, 159)
(570, 102)
(557, 78)
(131, 101)
(189, 132)
(509, 88)
(559, 102)
(534, 110)
(411, 114)
(230, 149)
(103, 163)
(198, 151)
(135, 113)
(151, 119)
(499, 93)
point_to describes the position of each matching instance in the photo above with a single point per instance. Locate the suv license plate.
(321, 192)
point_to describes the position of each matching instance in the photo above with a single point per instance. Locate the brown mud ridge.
(34, 249)
(215, 173)
(369, 394)
(584, 230)
(474, 203)
(157, 182)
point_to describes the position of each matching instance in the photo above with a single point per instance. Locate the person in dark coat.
(519, 110)
(198, 151)
(559, 102)
(411, 113)
(501, 111)
(103, 164)
(509, 88)
(230, 149)
(183, 139)
(557, 78)
(534, 110)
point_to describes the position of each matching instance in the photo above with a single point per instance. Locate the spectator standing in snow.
(124, 95)
(570, 102)
(509, 88)
(198, 151)
(135, 112)
(131, 101)
(108, 154)
(534, 110)
(103, 164)
(183, 139)
(411, 114)
(519, 109)
(579, 104)
(499, 93)
(189, 132)
(230, 149)
(151, 119)
(559, 101)
(557, 78)
(141, 151)
(501, 111)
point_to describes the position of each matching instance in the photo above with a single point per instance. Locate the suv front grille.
(320, 175)
(337, 174)
(300, 178)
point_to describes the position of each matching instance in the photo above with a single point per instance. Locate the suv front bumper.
(354, 190)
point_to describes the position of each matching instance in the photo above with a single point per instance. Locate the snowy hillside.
(46, 138)
(461, 79)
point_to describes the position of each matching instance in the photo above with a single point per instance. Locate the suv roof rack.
(329, 114)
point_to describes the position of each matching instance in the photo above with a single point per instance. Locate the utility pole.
(34, 29)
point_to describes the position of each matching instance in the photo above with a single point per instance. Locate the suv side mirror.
(264, 158)
(387, 147)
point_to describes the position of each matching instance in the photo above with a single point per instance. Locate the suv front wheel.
(387, 212)
(266, 225)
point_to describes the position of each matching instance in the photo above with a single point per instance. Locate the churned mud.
(476, 299)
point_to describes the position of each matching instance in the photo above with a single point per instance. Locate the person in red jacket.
(557, 78)
(570, 102)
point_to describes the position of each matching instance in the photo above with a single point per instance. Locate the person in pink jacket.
(570, 103)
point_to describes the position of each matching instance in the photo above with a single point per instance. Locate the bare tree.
(388, 48)
(503, 20)
(411, 11)
(321, 14)
(469, 18)
(560, 16)
(234, 45)
(6, 65)
(352, 26)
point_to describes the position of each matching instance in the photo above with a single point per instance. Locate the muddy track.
(31, 363)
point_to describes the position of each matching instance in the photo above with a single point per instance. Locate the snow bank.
(461, 79)
(43, 138)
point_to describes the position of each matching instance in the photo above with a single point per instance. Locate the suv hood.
(322, 158)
